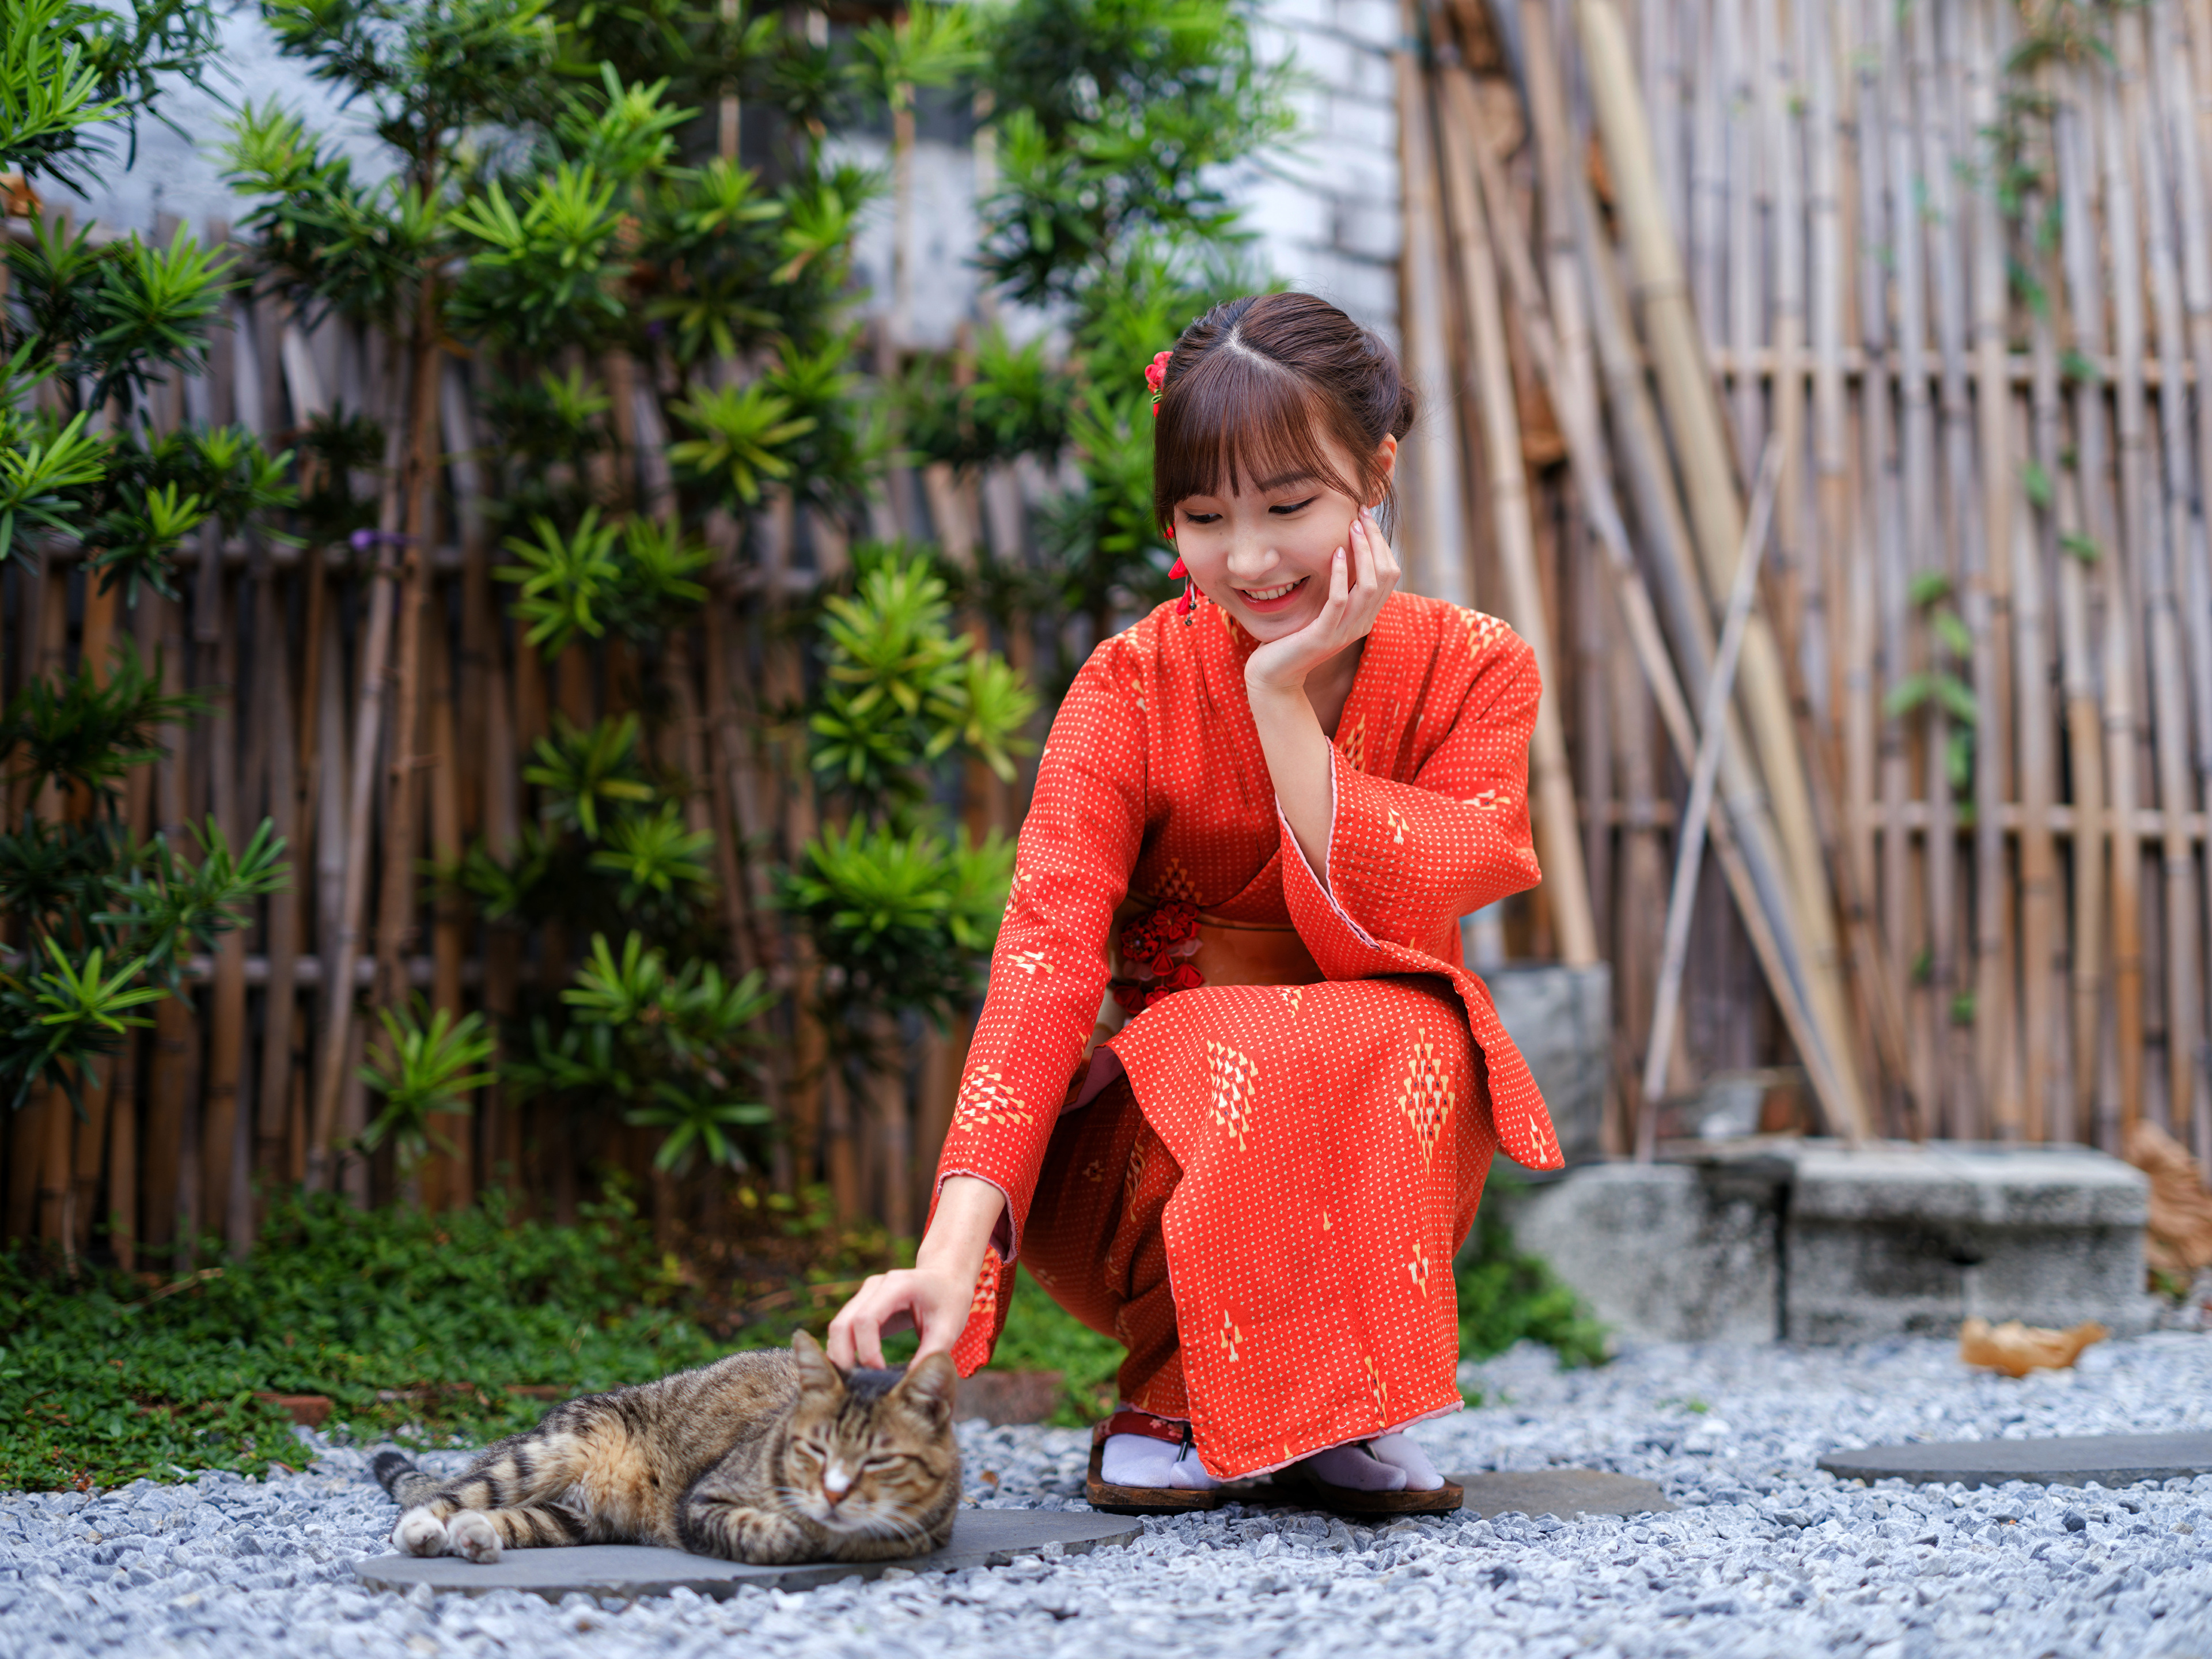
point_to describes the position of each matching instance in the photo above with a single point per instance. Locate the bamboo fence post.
(1558, 829)
(1945, 136)
(1690, 841)
(1437, 529)
(2189, 105)
(174, 1078)
(340, 947)
(1687, 393)
(1779, 143)
(2079, 170)
(448, 1178)
(2042, 916)
(1745, 256)
(397, 917)
(1574, 397)
(2078, 486)
(2152, 554)
(1828, 268)
(1931, 867)
(2189, 607)
(1768, 916)
(1711, 66)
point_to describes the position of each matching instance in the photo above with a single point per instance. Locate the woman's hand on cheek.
(1362, 575)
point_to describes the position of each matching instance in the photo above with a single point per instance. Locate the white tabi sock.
(1353, 1465)
(1138, 1460)
(1406, 1453)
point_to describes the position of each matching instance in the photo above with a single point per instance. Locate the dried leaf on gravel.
(2016, 1349)
(2180, 1233)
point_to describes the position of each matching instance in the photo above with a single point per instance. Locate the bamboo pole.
(1765, 907)
(2042, 915)
(2079, 167)
(1561, 359)
(2079, 486)
(341, 946)
(1687, 393)
(1748, 172)
(397, 914)
(448, 1178)
(226, 1056)
(1435, 533)
(2151, 554)
(2189, 123)
(2183, 762)
(1558, 829)
(1779, 141)
(273, 700)
(1828, 270)
(173, 1080)
(1690, 843)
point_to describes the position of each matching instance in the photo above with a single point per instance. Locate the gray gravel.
(1767, 1556)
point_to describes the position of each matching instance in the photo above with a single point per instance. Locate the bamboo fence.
(309, 656)
(1954, 262)
(1956, 269)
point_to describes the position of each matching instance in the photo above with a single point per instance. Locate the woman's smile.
(1278, 597)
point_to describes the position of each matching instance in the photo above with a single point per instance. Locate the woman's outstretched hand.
(934, 1296)
(911, 1299)
(1364, 574)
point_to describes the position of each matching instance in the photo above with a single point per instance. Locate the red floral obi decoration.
(1156, 950)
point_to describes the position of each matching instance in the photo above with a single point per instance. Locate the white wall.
(1326, 211)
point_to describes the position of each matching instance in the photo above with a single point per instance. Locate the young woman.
(1233, 1094)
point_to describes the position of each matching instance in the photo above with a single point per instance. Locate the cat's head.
(870, 1451)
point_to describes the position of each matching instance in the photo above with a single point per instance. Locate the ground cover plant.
(458, 1327)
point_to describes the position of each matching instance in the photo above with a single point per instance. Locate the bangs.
(1234, 420)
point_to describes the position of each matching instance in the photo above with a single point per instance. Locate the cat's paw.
(472, 1536)
(419, 1533)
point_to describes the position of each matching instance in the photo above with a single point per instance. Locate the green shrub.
(1506, 1296)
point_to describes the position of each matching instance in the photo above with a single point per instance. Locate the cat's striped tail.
(397, 1473)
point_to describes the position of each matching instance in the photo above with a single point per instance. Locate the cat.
(766, 1456)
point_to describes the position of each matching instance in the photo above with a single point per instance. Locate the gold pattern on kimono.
(1232, 1335)
(1234, 1078)
(1397, 820)
(1176, 883)
(1353, 745)
(1031, 962)
(1418, 1267)
(1426, 1096)
(1293, 994)
(984, 1098)
(1379, 1385)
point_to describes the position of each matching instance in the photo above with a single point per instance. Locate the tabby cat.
(764, 1457)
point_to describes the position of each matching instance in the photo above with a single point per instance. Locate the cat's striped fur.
(765, 1457)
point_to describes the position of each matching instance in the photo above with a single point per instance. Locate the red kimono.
(1258, 1181)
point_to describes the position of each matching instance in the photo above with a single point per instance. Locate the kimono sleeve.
(1408, 860)
(1049, 970)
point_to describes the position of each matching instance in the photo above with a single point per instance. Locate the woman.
(1233, 1095)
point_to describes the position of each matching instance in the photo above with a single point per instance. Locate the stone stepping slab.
(980, 1538)
(2106, 1460)
(1566, 1493)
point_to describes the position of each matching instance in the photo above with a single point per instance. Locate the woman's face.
(1263, 554)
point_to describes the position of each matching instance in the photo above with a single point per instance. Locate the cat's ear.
(931, 1384)
(815, 1370)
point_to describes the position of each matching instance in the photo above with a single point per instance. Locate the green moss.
(402, 1319)
(414, 1325)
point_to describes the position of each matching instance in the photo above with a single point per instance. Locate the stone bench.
(1810, 1240)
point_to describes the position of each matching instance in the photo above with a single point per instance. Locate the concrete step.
(1811, 1240)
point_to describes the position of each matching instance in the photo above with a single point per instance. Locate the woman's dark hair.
(1257, 383)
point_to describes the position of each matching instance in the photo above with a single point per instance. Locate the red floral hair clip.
(1156, 376)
